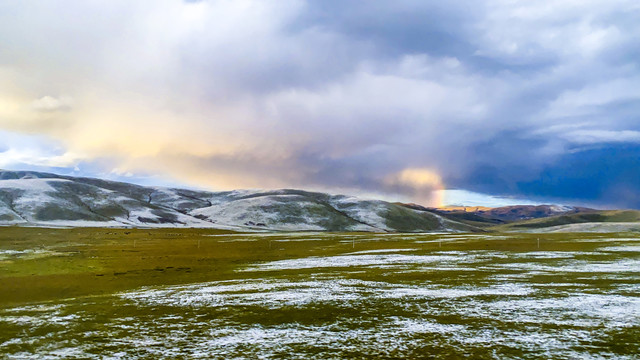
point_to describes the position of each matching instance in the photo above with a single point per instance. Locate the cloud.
(593, 96)
(33, 151)
(330, 95)
(50, 104)
(603, 136)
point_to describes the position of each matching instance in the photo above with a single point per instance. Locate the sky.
(422, 101)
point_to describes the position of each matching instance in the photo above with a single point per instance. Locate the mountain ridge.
(47, 199)
(31, 198)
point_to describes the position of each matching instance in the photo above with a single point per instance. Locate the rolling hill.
(591, 221)
(486, 217)
(30, 198)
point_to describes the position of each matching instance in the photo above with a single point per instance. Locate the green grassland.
(87, 261)
(201, 293)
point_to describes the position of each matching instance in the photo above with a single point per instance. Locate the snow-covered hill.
(34, 198)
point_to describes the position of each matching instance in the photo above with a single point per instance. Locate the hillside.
(592, 221)
(41, 199)
(485, 217)
(516, 212)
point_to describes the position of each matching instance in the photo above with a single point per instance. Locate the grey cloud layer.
(491, 94)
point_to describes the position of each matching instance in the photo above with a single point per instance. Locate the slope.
(44, 199)
(593, 221)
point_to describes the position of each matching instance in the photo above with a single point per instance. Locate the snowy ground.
(383, 303)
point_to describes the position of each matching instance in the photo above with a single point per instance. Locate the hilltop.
(30, 198)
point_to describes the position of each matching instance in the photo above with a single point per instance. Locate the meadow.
(197, 293)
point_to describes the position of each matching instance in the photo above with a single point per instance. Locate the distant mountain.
(518, 212)
(590, 221)
(540, 218)
(43, 199)
(486, 216)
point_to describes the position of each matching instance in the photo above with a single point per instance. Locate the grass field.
(189, 293)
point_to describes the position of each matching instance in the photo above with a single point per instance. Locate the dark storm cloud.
(513, 146)
(397, 28)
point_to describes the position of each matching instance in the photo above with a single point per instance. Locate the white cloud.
(526, 31)
(27, 150)
(585, 100)
(51, 103)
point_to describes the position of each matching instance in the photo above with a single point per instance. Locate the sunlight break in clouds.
(424, 185)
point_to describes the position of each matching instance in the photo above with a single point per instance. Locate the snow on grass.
(367, 212)
(33, 193)
(76, 223)
(353, 260)
(600, 239)
(252, 211)
(431, 291)
(281, 293)
(37, 315)
(578, 266)
(31, 185)
(547, 254)
(28, 254)
(583, 310)
(377, 251)
(253, 292)
(622, 248)
(302, 234)
(594, 227)
(413, 326)
(458, 237)
(238, 240)
(502, 308)
(501, 302)
(446, 259)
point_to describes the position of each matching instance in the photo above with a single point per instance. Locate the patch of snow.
(560, 208)
(363, 211)
(381, 251)
(28, 254)
(33, 185)
(279, 293)
(251, 212)
(352, 260)
(594, 227)
(577, 310)
(575, 266)
(622, 248)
